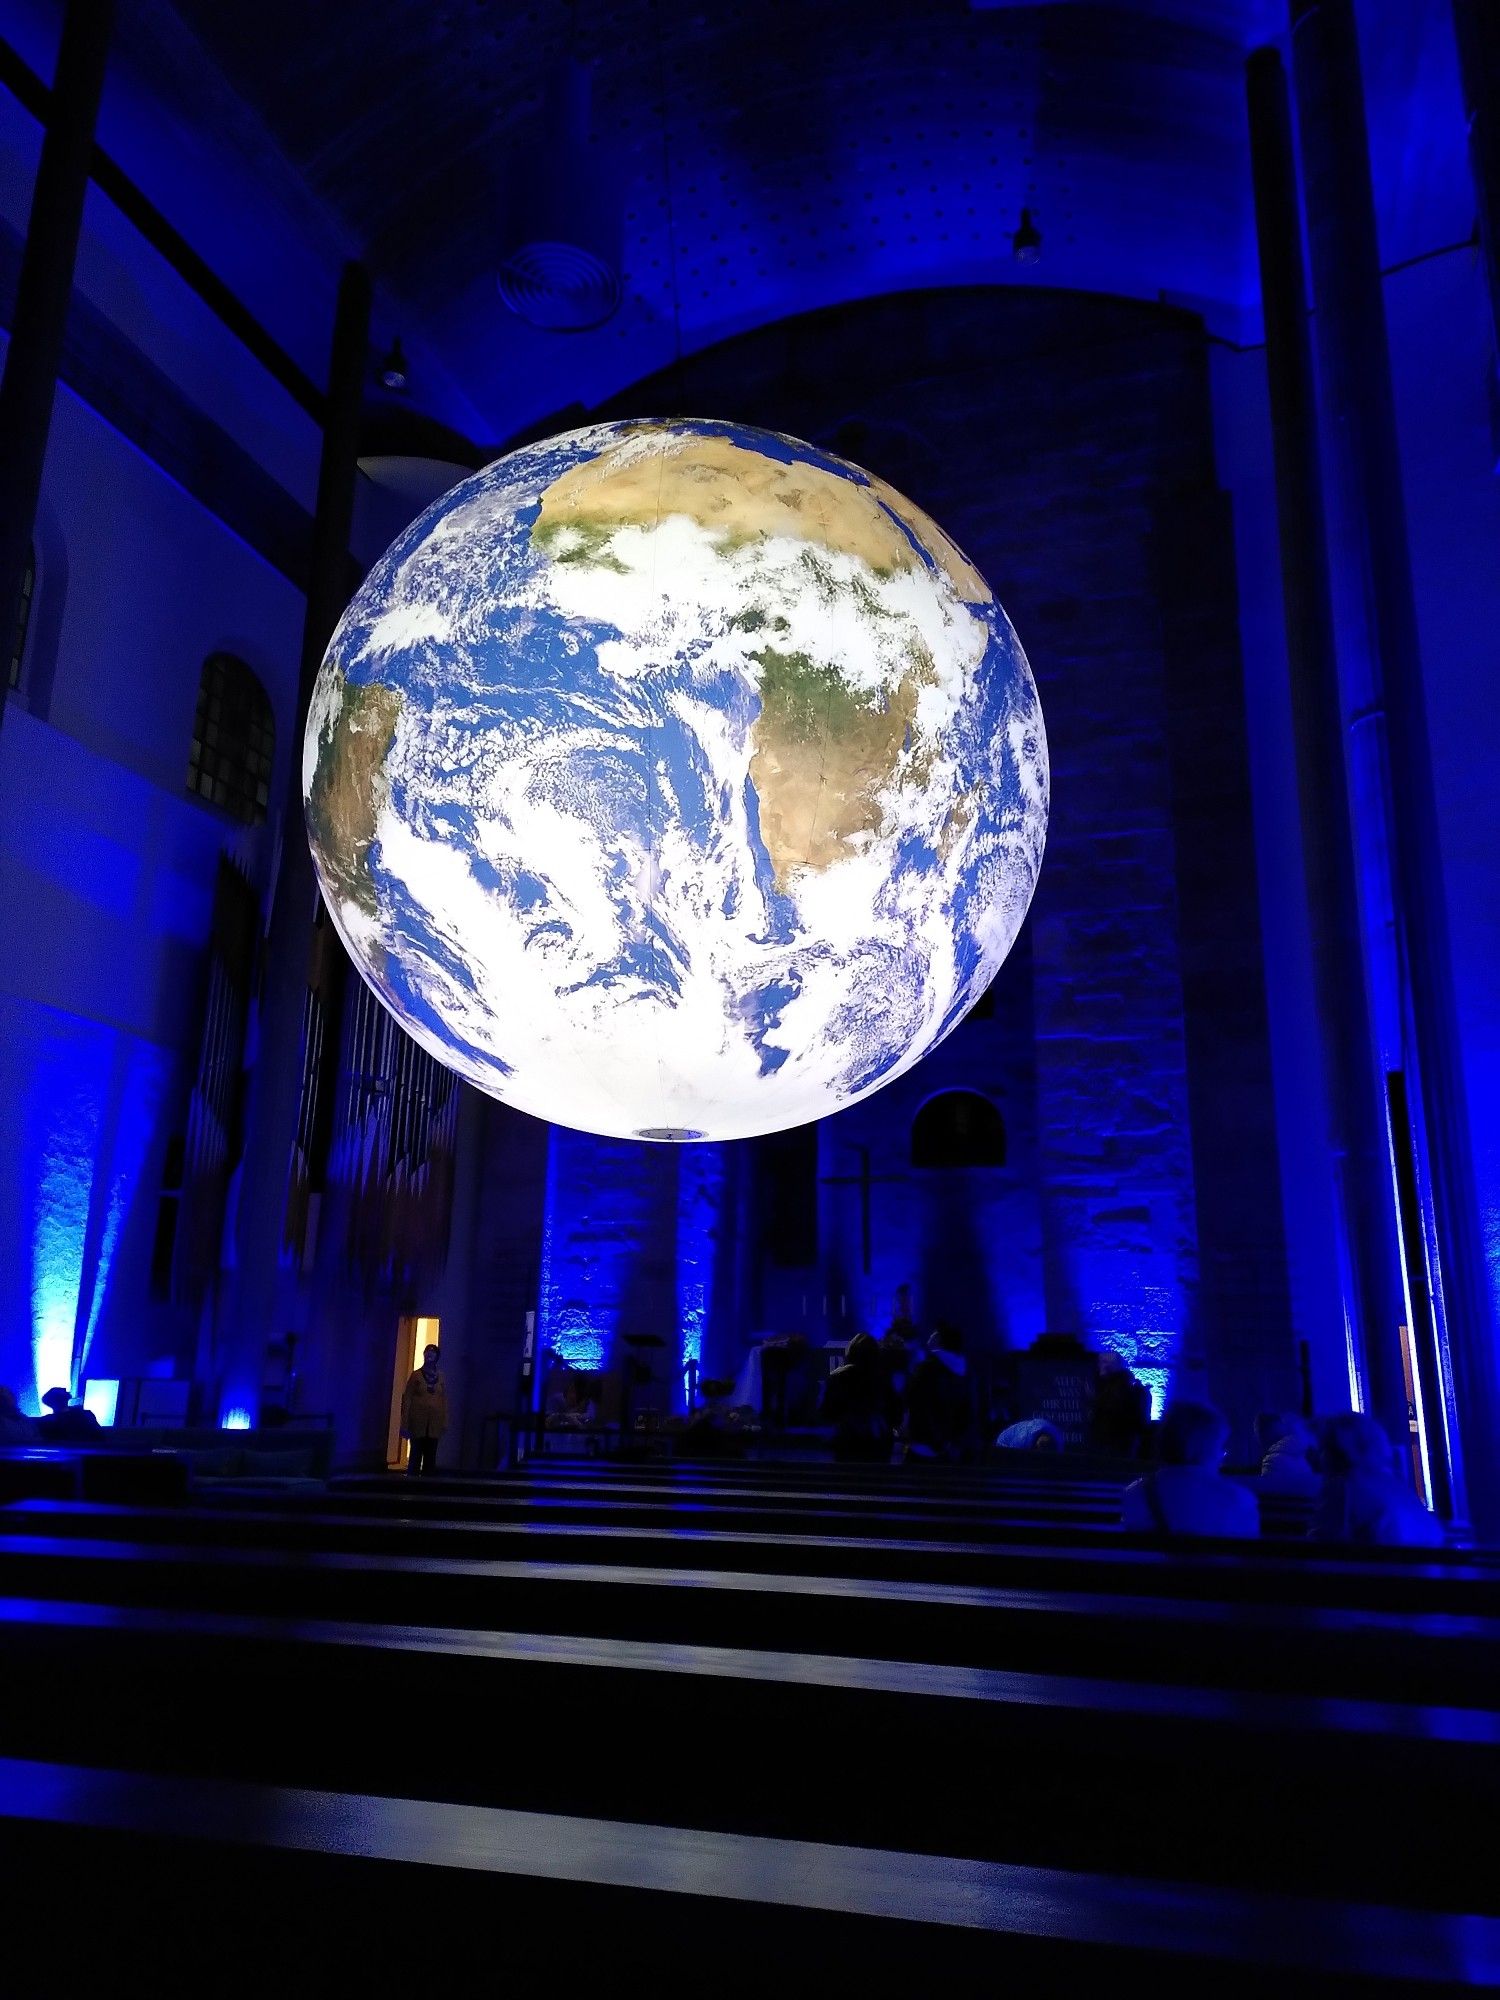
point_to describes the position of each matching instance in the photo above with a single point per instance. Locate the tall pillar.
(454, 1291)
(1360, 417)
(1477, 25)
(45, 287)
(274, 1084)
(1364, 1209)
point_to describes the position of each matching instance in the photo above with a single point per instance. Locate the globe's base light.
(676, 781)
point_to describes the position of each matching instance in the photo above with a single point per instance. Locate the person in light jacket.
(424, 1412)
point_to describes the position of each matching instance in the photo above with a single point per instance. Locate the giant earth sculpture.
(676, 781)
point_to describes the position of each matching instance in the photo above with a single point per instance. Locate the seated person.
(1122, 1410)
(14, 1428)
(67, 1421)
(1030, 1434)
(1287, 1446)
(1187, 1494)
(1362, 1498)
(938, 1398)
(854, 1402)
(571, 1399)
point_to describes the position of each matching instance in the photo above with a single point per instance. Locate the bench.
(563, 1897)
(1366, 1653)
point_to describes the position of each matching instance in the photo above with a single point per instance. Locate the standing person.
(938, 1397)
(1122, 1409)
(903, 1326)
(424, 1412)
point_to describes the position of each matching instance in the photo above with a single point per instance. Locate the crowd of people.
(901, 1397)
(899, 1392)
(1345, 1467)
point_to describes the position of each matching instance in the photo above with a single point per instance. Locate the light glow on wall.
(1155, 1380)
(66, 1105)
(88, 1100)
(568, 1323)
(238, 1419)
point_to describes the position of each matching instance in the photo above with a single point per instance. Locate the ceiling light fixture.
(1026, 243)
(393, 368)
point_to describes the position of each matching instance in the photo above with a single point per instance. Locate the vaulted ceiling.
(747, 162)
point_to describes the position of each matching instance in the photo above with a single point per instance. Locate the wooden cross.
(864, 1180)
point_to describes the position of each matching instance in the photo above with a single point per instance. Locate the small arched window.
(22, 624)
(958, 1128)
(234, 740)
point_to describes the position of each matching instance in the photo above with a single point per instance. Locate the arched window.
(22, 623)
(234, 740)
(958, 1128)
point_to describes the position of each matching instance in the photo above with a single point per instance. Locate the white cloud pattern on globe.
(676, 781)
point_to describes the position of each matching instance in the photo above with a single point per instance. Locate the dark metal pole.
(333, 519)
(1370, 1268)
(44, 289)
(1477, 26)
(275, 1078)
(1361, 426)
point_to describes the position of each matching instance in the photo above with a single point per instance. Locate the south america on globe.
(676, 781)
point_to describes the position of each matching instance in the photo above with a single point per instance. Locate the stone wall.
(1065, 441)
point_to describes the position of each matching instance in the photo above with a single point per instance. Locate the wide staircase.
(736, 1726)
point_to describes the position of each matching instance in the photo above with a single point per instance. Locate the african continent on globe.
(676, 781)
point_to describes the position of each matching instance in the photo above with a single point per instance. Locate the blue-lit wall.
(1443, 368)
(634, 1244)
(107, 874)
(1443, 355)
(1130, 1034)
(1158, 1157)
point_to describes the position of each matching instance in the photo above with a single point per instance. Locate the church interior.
(751, 877)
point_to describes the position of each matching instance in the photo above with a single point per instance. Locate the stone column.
(276, 1071)
(462, 1363)
(1456, 1355)
(1364, 1209)
(45, 287)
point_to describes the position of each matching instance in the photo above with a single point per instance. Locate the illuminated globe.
(676, 781)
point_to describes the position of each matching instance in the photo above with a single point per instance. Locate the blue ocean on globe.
(676, 781)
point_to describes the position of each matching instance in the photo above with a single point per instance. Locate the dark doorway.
(958, 1128)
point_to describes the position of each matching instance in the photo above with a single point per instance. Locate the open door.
(413, 1334)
